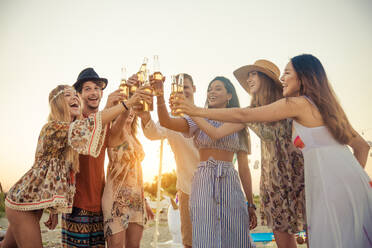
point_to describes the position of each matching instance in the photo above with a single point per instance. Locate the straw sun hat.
(266, 67)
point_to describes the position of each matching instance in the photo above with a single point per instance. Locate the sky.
(44, 43)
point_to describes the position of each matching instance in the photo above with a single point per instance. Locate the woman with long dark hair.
(282, 173)
(337, 189)
(219, 214)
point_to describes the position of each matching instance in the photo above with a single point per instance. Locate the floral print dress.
(50, 182)
(282, 177)
(123, 199)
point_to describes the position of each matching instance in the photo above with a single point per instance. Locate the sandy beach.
(52, 238)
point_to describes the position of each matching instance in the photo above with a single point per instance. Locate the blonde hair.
(59, 111)
(118, 171)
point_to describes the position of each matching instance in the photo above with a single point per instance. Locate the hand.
(252, 218)
(52, 222)
(114, 98)
(149, 212)
(171, 101)
(133, 80)
(181, 105)
(157, 85)
(144, 115)
(140, 95)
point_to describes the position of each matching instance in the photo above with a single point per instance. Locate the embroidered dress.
(50, 182)
(338, 191)
(282, 177)
(123, 196)
(218, 208)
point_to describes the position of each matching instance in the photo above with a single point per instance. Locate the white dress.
(338, 191)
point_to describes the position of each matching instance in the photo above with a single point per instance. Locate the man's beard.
(91, 107)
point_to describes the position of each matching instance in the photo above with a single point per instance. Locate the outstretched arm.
(216, 133)
(279, 110)
(110, 113)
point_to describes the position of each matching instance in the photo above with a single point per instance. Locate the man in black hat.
(84, 226)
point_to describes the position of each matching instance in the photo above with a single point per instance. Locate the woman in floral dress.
(123, 203)
(282, 172)
(49, 184)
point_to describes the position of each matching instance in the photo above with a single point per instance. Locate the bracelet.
(125, 106)
(251, 205)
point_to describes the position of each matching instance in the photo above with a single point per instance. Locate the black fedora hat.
(89, 74)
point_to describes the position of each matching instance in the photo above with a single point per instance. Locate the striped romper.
(218, 207)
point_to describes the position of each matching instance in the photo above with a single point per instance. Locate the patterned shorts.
(82, 228)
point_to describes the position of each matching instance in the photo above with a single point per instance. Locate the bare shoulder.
(291, 103)
(296, 100)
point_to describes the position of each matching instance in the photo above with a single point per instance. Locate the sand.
(52, 238)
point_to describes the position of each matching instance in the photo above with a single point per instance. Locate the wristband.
(251, 205)
(125, 106)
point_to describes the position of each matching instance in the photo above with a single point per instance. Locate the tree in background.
(168, 184)
(2, 201)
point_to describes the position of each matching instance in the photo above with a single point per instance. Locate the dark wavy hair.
(233, 103)
(315, 85)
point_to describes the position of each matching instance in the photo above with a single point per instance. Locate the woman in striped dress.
(219, 213)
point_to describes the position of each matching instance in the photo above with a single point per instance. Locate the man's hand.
(52, 222)
(114, 98)
(157, 85)
(133, 80)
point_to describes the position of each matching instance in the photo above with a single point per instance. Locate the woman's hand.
(149, 212)
(181, 105)
(52, 222)
(140, 95)
(252, 218)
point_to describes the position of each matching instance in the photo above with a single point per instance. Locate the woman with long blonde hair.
(338, 191)
(124, 207)
(50, 184)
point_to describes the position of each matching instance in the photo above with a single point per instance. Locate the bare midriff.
(222, 155)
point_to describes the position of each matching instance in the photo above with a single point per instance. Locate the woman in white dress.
(338, 191)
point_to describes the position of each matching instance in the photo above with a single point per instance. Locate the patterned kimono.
(50, 182)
